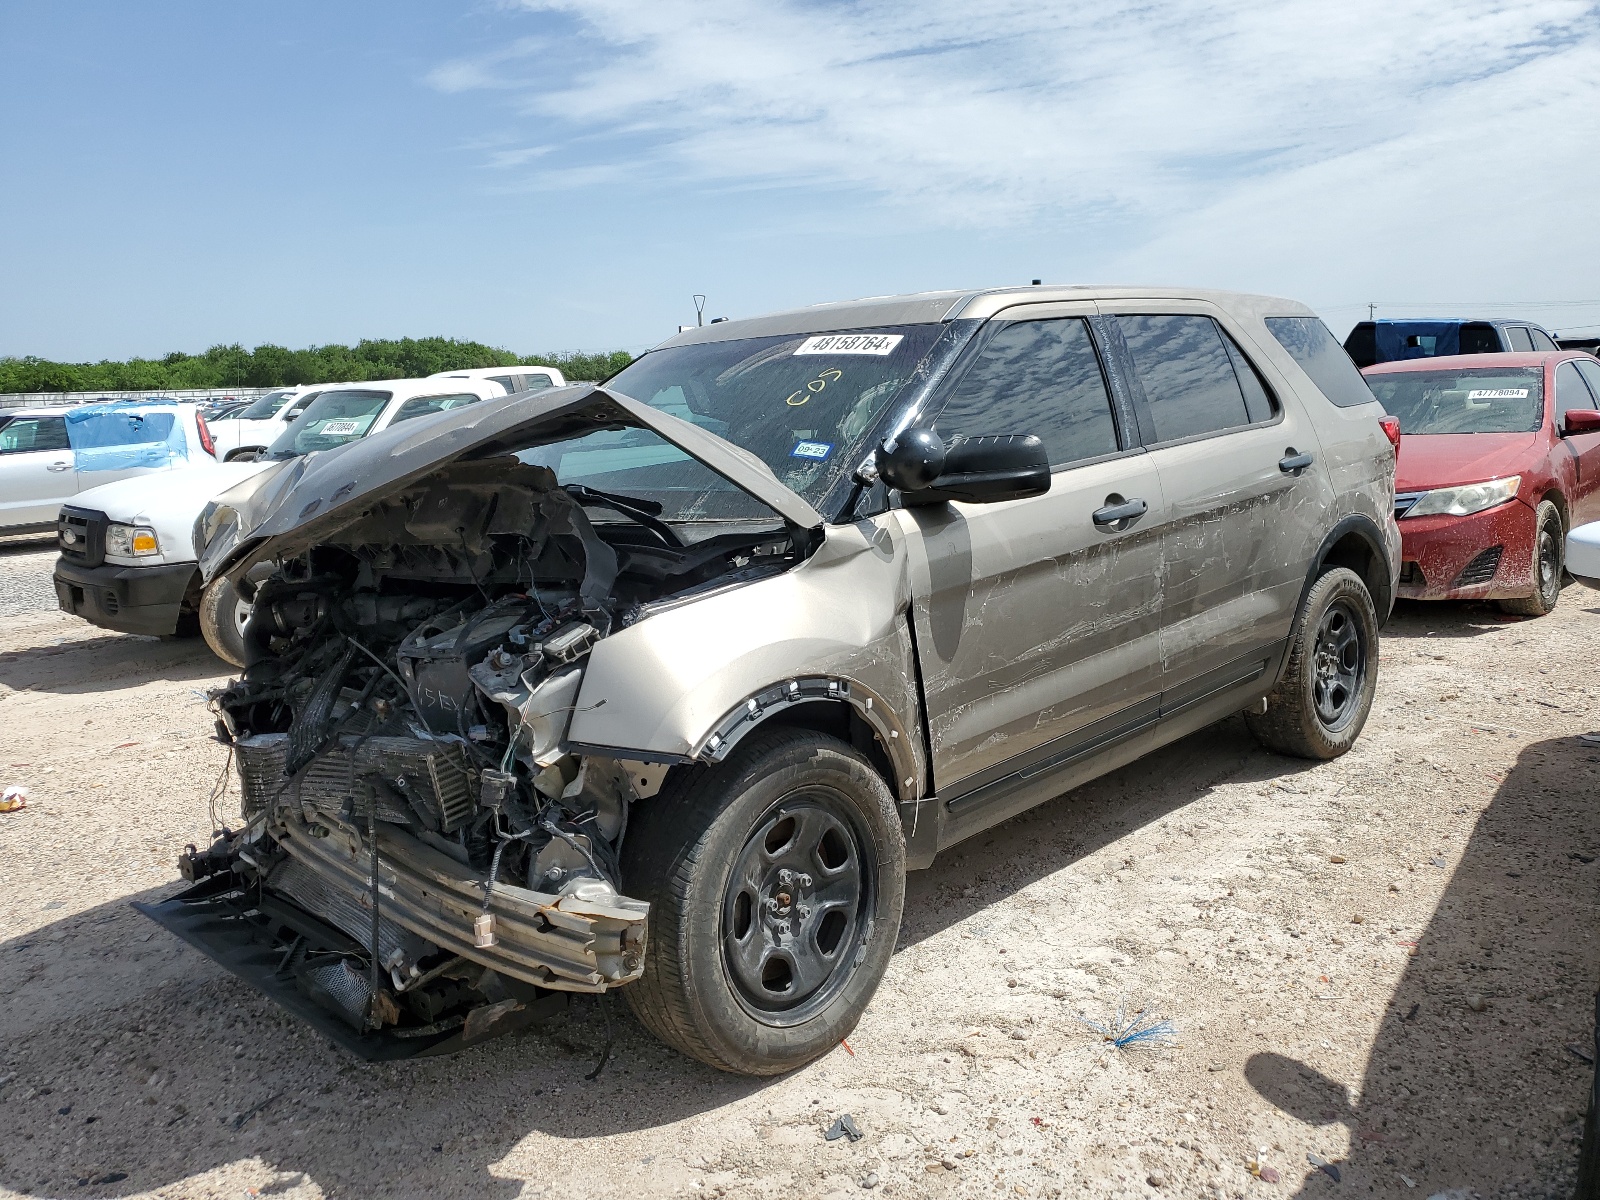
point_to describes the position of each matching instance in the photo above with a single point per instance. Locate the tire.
(720, 982)
(222, 615)
(1322, 701)
(1549, 564)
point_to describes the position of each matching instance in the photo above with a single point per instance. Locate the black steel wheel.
(1340, 665)
(799, 894)
(1325, 691)
(775, 882)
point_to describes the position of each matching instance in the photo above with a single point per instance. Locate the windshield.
(1465, 401)
(800, 403)
(332, 419)
(266, 406)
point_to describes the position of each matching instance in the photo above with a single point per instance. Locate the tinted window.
(1362, 344)
(1038, 377)
(1479, 339)
(24, 434)
(1542, 340)
(1518, 336)
(1464, 401)
(1258, 401)
(509, 382)
(1570, 390)
(421, 406)
(536, 383)
(1311, 346)
(1187, 376)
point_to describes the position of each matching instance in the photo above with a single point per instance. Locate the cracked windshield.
(799, 403)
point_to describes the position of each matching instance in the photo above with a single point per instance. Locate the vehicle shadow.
(108, 663)
(1446, 618)
(1470, 1082)
(26, 543)
(160, 1067)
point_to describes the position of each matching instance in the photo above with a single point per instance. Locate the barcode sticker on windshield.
(1498, 394)
(339, 427)
(850, 343)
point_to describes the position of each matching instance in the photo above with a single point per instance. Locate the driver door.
(1037, 620)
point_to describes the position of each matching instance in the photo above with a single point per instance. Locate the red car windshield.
(1465, 401)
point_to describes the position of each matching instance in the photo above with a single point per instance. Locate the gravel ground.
(1379, 962)
(25, 565)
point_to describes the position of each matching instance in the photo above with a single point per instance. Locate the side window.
(1315, 352)
(511, 383)
(1590, 370)
(1258, 401)
(26, 434)
(1571, 391)
(1479, 339)
(422, 406)
(536, 383)
(1541, 339)
(1518, 335)
(1039, 377)
(1187, 375)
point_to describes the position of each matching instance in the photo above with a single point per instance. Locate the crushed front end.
(423, 862)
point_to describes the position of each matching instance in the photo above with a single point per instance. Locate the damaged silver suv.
(663, 685)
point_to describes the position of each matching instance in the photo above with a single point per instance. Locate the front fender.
(686, 682)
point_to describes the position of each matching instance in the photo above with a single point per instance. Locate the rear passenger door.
(1037, 620)
(1247, 496)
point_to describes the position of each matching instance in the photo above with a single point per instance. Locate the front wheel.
(1549, 561)
(223, 613)
(775, 882)
(1319, 706)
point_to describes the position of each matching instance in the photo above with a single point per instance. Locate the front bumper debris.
(1455, 558)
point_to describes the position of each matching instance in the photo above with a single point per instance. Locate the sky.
(567, 174)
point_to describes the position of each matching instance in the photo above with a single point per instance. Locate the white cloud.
(1002, 109)
(1180, 132)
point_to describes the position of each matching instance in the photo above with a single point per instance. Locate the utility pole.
(1372, 312)
(699, 310)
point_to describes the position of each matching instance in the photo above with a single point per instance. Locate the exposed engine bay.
(424, 861)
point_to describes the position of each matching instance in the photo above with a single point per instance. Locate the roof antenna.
(699, 310)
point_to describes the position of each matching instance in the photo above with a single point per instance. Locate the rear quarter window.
(1321, 357)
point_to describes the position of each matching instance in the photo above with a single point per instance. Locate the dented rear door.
(1241, 468)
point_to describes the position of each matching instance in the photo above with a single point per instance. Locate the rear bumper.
(1485, 556)
(128, 599)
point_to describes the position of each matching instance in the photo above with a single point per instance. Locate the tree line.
(275, 366)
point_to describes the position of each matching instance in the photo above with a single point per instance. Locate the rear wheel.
(223, 612)
(776, 882)
(1549, 561)
(1319, 706)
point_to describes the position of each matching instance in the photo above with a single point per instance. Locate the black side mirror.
(988, 469)
(911, 460)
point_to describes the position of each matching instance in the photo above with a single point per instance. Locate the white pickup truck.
(128, 559)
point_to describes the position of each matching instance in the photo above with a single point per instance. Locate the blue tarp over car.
(127, 435)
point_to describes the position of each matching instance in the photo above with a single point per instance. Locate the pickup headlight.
(1467, 499)
(131, 541)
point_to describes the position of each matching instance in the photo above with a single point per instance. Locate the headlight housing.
(1467, 499)
(131, 541)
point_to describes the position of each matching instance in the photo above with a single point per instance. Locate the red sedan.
(1499, 456)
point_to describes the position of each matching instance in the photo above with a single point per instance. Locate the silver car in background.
(663, 685)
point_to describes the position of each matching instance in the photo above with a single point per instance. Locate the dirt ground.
(1378, 962)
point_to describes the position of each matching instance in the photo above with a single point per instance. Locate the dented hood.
(304, 491)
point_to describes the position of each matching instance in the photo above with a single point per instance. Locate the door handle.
(1292, 463)
(59, 467)
(1122, 510)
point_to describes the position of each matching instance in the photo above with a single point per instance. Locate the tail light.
(1391, 430)
(210, 446)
